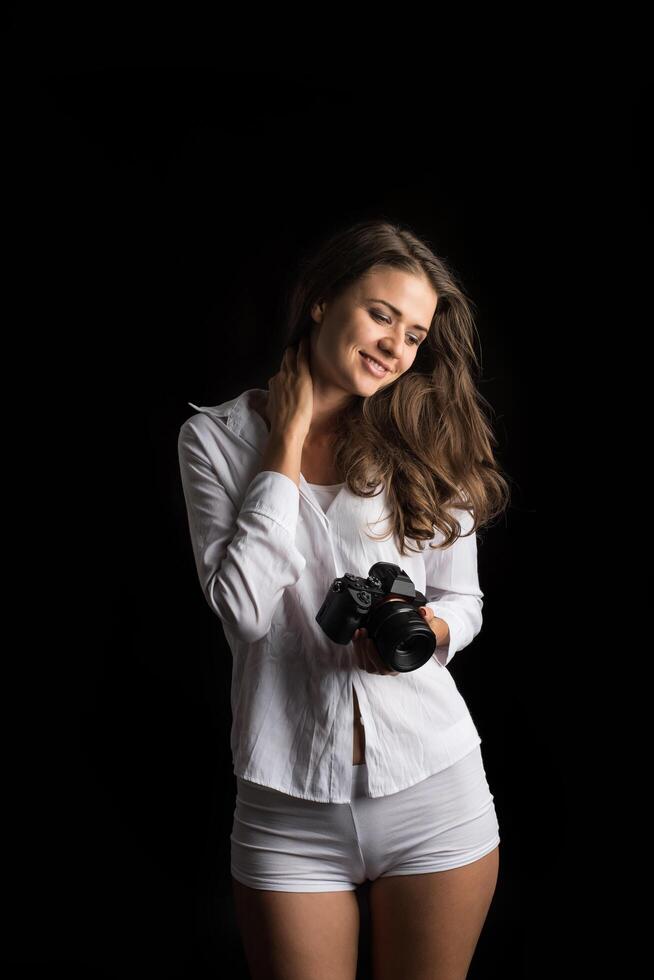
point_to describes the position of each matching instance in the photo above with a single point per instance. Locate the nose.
(391, 352)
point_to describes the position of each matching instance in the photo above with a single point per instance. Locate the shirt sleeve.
(245, 558)
(452, 589)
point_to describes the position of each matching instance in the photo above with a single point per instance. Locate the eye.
(385, 319)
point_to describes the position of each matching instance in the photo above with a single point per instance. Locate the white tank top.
(325, 495)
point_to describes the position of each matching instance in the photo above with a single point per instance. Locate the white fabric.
(266, 554)
(325, 495)
(283, 844)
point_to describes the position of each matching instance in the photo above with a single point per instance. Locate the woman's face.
(358, 322)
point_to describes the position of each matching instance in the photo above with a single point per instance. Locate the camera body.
(385, 604)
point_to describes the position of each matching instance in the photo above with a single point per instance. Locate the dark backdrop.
(156, 211)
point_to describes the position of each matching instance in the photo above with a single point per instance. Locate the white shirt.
(266, 554)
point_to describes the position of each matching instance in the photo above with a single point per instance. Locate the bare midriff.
(359, 736)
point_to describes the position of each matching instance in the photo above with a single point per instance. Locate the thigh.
(427, 925)
(436, 876)
(298, 935)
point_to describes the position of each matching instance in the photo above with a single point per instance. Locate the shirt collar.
(240, 417)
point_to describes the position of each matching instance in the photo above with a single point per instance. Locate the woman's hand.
(365, 650)
(290, 394)
(367, 656)
(439, 627)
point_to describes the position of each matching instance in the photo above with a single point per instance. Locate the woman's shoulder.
(259, 402)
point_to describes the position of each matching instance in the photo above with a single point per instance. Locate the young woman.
(347, 768)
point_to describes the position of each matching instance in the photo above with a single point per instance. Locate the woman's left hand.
(429, 617)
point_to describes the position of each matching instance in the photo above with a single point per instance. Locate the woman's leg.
(298, 935)
(427, 925)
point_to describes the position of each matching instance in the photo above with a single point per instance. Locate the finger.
(359, 657)
(374, 658)
(367, 655)
(370, 662)
(359, 649)
(363, 662)
(383, 666)
(428, 615)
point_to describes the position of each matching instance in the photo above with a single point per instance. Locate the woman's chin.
(366, 385)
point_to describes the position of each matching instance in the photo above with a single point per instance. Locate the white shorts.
(283, 843)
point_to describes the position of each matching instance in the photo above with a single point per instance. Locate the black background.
(155, 209)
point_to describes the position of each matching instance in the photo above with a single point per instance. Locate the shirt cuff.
(443, 654)
(276, 496)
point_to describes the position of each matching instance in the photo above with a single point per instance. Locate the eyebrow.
(371, 299)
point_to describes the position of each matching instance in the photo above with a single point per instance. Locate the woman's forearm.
(283, 454)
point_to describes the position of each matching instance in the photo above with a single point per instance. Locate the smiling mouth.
(375, 364)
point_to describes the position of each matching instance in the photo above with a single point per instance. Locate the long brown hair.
(425, 437)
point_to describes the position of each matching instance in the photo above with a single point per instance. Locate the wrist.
(289, 440)
(283, 454)
(441, 631)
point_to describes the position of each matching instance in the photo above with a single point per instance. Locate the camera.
(386, 604)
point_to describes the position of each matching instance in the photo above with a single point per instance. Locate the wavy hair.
(425, 437)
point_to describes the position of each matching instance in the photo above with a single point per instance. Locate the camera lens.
(405, 642)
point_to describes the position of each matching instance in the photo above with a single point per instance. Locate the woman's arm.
(245, 558)
(283, 454)
(453, 593)
(441, 631)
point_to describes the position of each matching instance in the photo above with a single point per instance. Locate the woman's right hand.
(290, 394)
(367, 656)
